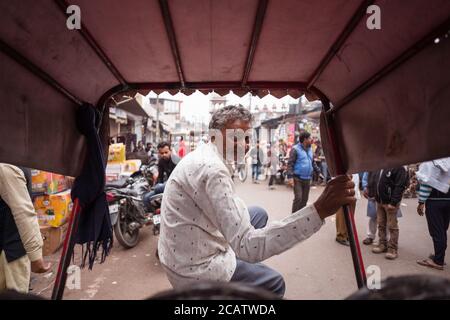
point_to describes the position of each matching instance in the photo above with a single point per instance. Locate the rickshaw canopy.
(388, 89)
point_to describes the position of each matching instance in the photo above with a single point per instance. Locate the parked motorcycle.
(127, 210)
(149, 171)
(281, 175)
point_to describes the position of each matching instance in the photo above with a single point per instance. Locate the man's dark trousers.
(438, 219)
(258, 274)
(301, 193)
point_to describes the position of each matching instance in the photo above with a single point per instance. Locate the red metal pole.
(358, 264)
(66, 254)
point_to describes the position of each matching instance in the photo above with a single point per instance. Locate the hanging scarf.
(94, 229)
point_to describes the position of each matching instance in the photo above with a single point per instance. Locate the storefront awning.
(132, 106)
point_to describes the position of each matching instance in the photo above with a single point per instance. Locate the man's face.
(165, 153)
(307, 142)
(235, 138)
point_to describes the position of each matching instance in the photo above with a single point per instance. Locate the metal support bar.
(351, 25)
(394, 64)
(172, 39)
(66, 254)
(259, 19)
(94, 45)
(358, 264)
(219, 85)
(13, 54)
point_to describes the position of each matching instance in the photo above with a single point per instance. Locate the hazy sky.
(196, 106)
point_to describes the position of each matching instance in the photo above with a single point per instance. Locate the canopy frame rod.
(259, 20)
(441, 30)
(168, 23)
(358, 263)
(337, 45)
(87, 36)
(38, 72)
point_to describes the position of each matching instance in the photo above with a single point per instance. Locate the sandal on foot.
(431, 256)
(430, 264)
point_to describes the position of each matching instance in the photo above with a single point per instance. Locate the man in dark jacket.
(390, 187)
(166, 163)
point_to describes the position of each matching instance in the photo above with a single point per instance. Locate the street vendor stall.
(385, 91)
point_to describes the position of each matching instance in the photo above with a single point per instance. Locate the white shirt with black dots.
(205, 226)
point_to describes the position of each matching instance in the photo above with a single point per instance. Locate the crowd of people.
(277, 162)
(384, 190)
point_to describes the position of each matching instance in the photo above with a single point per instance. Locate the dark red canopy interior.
(389, 88)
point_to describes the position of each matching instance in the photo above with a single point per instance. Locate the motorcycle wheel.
(126, 238)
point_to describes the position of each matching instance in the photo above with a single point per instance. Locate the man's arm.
(400, 181)
(230, 215)
(14, 192)
(365, 184)
(424, 192)
(365, 180)
(316, 167)
(291, 163)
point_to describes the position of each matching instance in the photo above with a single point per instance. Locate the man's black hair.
(408, 287)
(304, 135)
(163, 144)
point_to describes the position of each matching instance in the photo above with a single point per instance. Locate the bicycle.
(241, 169)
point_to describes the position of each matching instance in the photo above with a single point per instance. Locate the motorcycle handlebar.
(126, 192)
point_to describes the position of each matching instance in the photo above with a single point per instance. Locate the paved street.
(318, 268)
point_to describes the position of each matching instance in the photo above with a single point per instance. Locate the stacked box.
(47, 182)
(131, 165)
(54, 209)
(116, 153)
(53, 238)
(113, 170)
(111, 177)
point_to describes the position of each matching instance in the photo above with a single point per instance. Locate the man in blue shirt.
(300, 170)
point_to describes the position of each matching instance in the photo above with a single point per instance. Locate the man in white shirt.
(208, 233)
